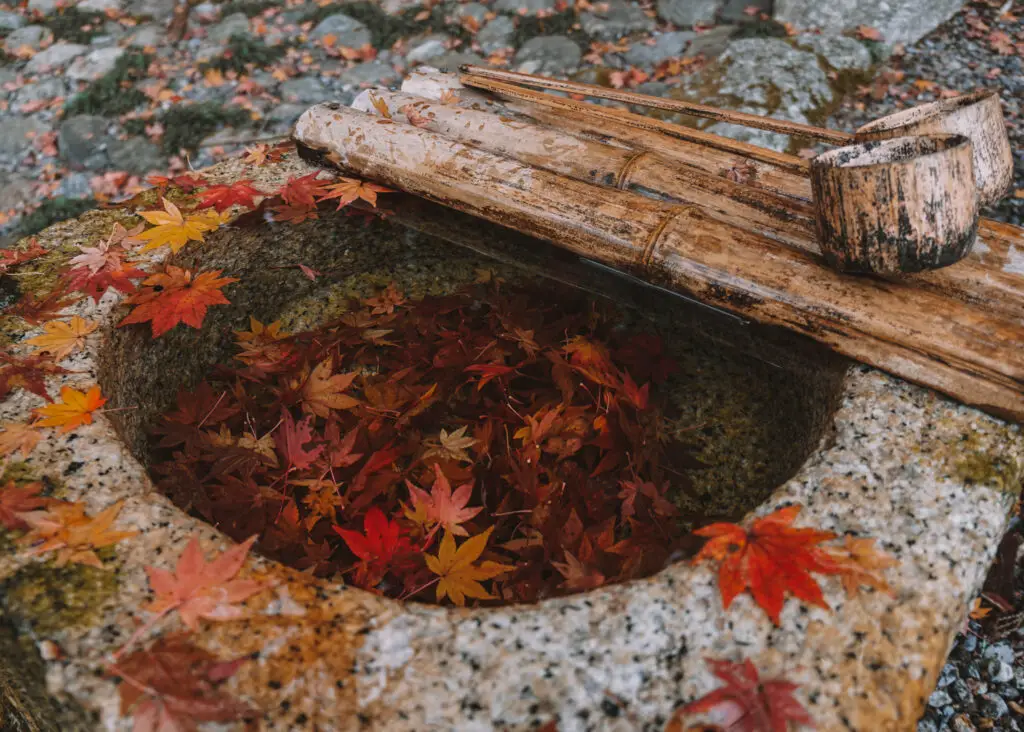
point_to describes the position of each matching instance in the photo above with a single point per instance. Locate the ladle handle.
(832, 137)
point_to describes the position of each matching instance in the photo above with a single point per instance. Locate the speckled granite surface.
(933, 480)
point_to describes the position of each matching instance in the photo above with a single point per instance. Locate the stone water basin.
(782, 422)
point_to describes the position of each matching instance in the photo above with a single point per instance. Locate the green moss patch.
(52, 598)
(244, 53)
(74, 26)
(185, 125)
(113, 93)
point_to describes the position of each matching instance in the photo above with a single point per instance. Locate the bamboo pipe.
(977, 360)
(833, 137)
(745, 206)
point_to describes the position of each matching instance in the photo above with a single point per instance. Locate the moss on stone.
(992, 471)
(52, 598)
(50, 212)
(244, 53)
(186, 125)
(74, 26)
(113, 93)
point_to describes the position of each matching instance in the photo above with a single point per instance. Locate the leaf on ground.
(443, 507)
(380, 543)
(37, 309)
(174, 685)
(223, 197)
(175, 229)
(62, 338)
(744, 703)
(198, 589)
(175, 296)
(291, 437)
(16, 500)
(13, 257)
(769, 560)
(65, 528)
(27, 373)
(460, 575)
(323, 392)
(302, 191)
(18, 436)
(74, 409)
(451, 446)
(347, 190)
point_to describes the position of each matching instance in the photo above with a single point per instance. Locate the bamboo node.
(655, 238)
(622, 180)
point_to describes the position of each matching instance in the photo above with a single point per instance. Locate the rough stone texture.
(711, 43)
(94, 64)
(839, 52)
(426, 48)
(550, 55)
(46, 89)
(29, 36)
(496, 34)
(616, 19)
(147, 35)
(736, 11)
(43, 7)
(15, 191)
(660, 47)
(15, 132)
(688, 12)
(99, 6)
(900, 21)
(151, 8)
(83, 140)
(236, 24)
(56, 56)
(347, 31)
(897, 462)
(136, 155)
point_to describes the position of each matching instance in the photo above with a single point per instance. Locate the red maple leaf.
(173, 685)
(294, 213)
(29, 373)
(302, 191)
(770, 559)
(12, 257)
(175, 296)
(36, 310)
(290, 438)
(489, 371)
(16, 500)
(222, 197)
(381, 541)
(187, 182)
(746, 703)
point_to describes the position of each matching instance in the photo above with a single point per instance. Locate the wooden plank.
(926, 338)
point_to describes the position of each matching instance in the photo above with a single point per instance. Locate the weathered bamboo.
(907, 333)
(704, 111)
(905, 204)
(974, 281)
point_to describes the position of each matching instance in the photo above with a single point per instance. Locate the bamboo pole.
(786, 127)
(906, 333)
(750, 208)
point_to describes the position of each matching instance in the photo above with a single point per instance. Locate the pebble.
(348, 32)
(948, 676)
(939, 698)
(548, 55)
(1002, 651)
(94, 64)
(992, 706)
(29, 36)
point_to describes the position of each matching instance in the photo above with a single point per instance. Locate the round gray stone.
(50, 88)
(939, 699)
(15, 133)
(155, 9)
(688, 12)
(369, 73)
(452, 60)
(83, 140)
(1003, 651)
(43, 7)
(99, 6)
(476, 11)
(899, 21)
(31, 36)
(615, 20)
(15, 191)
(135, 155)
(548, 55)
(527, 7)
(497, 34)
(658, 48)
(711, 43)
(10, 21)
(75, 185)
(426, 48)
(992, 706)
(147, 35)
(348, 32)
(839, 52)
(304, 90)
(236, 24)
(94, 64)
(57, 56)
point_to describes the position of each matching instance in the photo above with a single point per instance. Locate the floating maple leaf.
(221, 197)
(347, 190)
(18, 436)
(199, 589)
(770, 559)
(173, 685)
(322, 392)
(174, 296)
(442, 506)
(291, 437)
(74, 410)
(65, 528)
(379, 544)
(745, 703)
(61, 338)
(17, 500)
(27, 373)
(174, 229)
(460, 576)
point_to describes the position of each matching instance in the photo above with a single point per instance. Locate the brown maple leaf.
(17, 500)
(323, 392)
(28, 373)
(18, 436)
(65, 528)
(450, 446)
(199, 589)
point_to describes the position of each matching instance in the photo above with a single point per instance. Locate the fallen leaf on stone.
(74, 409)
(347, 190)
(199, 589)
(19, 436)
(16, 500)
(174, 229)
(65, 528)
(176, 296)
(221, 197)
(27, 373)
(745, 703)
(859, 562)
(460, 576)
(61, 338)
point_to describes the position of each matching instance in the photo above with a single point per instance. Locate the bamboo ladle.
(977, 116)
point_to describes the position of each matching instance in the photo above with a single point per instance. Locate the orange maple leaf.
(347, 190)
(74, 409)
(460, 575)
(61, 338)
(19, 436)
(200, 589)
(174, 229)
(18, 500)
(66, 529)
(770, 559)
(322, 392)
(443, 507)
(175, 296)
(859, 562)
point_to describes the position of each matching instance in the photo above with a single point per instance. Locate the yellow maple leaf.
(19, 436)
(322, 392)
(66, 529)
(460, 577)
(61, 339)
(75, 409)
(174, 229)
